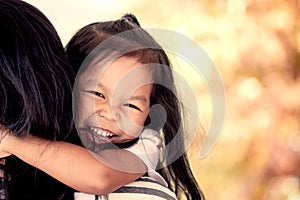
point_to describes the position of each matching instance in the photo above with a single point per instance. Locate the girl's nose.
(107, 112)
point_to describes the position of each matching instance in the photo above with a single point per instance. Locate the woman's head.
(35, 93)
(35, 78)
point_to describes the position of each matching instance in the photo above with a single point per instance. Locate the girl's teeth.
(101, 132)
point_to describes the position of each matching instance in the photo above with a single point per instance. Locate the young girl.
(120, 56)
(123, 40)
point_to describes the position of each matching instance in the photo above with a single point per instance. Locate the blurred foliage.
(256, 47)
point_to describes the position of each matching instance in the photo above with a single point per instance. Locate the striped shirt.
(144, 188)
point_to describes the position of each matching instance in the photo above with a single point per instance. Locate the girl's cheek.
(131, 125)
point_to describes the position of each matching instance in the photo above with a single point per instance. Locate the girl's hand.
(4, 134)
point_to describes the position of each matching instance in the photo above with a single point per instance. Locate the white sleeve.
(147, 148)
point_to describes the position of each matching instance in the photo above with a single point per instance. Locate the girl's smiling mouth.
(102, 132)
(95, 138)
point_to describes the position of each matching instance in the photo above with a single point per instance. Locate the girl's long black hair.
(35, 94)
(177, 172)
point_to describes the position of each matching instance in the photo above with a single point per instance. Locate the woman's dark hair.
(35, 93)
(178, 173)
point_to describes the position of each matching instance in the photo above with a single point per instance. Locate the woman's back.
(35, 94)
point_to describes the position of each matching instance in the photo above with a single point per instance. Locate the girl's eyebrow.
(141, 98)
(100, 85)
(94, 82)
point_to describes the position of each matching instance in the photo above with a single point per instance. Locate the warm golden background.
(255, 45)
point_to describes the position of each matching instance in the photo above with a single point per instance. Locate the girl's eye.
(96, 93)
(132, 106)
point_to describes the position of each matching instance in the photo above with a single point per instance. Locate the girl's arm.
(74, 165)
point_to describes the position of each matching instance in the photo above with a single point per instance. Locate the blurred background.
(255, 45)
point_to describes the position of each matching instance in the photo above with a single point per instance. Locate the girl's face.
(112, 102)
